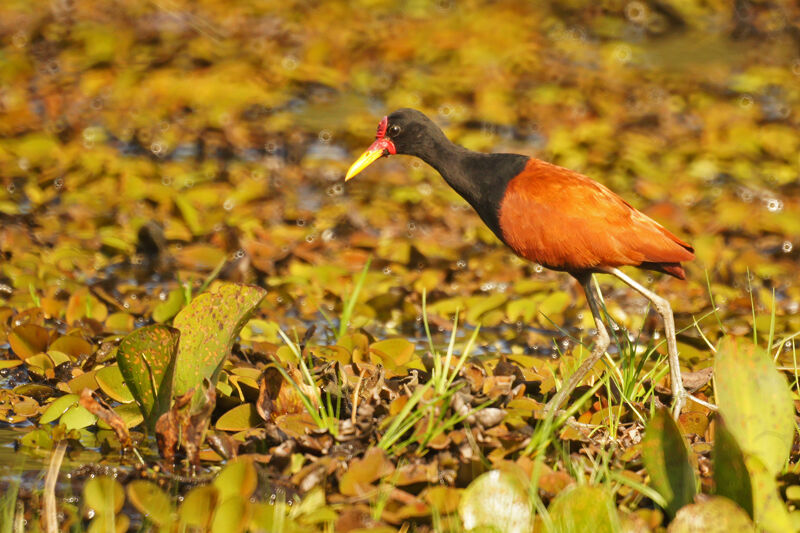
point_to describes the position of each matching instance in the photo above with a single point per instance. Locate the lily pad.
(584, 508)
(77, 417)
(715, 515)
(28, 340)
(83, 304)
(237, 479)
(120, 323)
(240, 418)
(103, 496)
(83, 381)
(496, 500)
(169, 307)
(57, 357)
(128, 412)
(110, 380)
(73, 346)
(38, 439)
(151, 500)
(108, 523)
(231, 516)
(198, 506)
(363, 472)
(58, 407)
(396, 355)
(41, 364)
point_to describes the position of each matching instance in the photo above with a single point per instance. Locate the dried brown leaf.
(108, 416)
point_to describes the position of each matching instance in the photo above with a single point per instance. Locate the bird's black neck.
(480, 178)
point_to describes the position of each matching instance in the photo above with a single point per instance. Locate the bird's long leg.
(601, 343)
(679, 394)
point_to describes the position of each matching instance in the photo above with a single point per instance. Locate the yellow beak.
(366, 159)
(381, 147)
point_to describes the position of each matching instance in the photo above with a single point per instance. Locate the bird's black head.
(405, 131)
(410, 131)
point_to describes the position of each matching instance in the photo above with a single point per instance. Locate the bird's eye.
(394, 129)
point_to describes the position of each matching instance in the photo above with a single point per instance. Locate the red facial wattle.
(381, 142)
(382, 125)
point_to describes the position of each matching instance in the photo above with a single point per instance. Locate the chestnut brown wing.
(566, 221)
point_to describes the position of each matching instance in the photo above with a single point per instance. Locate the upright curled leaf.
(755, 401)
(146, 358)
(208, 326)
(769, 510)
(731, 477)
(666, 457)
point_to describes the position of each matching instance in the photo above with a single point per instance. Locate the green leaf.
(38, 439)
(28, 340)
(240, 418)
(83, 381)
(731, 477)
(150, 500)
(190, 214)
(478, 305)
(73, 346)
(146, 359)
(770, 512)
(554, 304)
(209, 325)
(103, 495)
(39, 364)
(312, 507)
(77, 417)
(56, 357)
(793, 493)
(169, 307)
(396, 355)
(120, 323)
(584, 508)
(230, 516)
(58, 408)
(238, 478)
(715, 515)
(107, 523)
(36, 390)
(755, 400)
(666, 457)
(497, 500)
(128, 412)
(198, 506)
(110, 380)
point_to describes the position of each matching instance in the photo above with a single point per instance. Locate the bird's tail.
(673, 269)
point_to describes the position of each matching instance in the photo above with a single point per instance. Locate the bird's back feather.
(566, 221)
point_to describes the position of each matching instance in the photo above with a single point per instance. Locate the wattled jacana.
(552, 216)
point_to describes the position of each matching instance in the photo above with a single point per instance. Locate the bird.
(552, 216)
